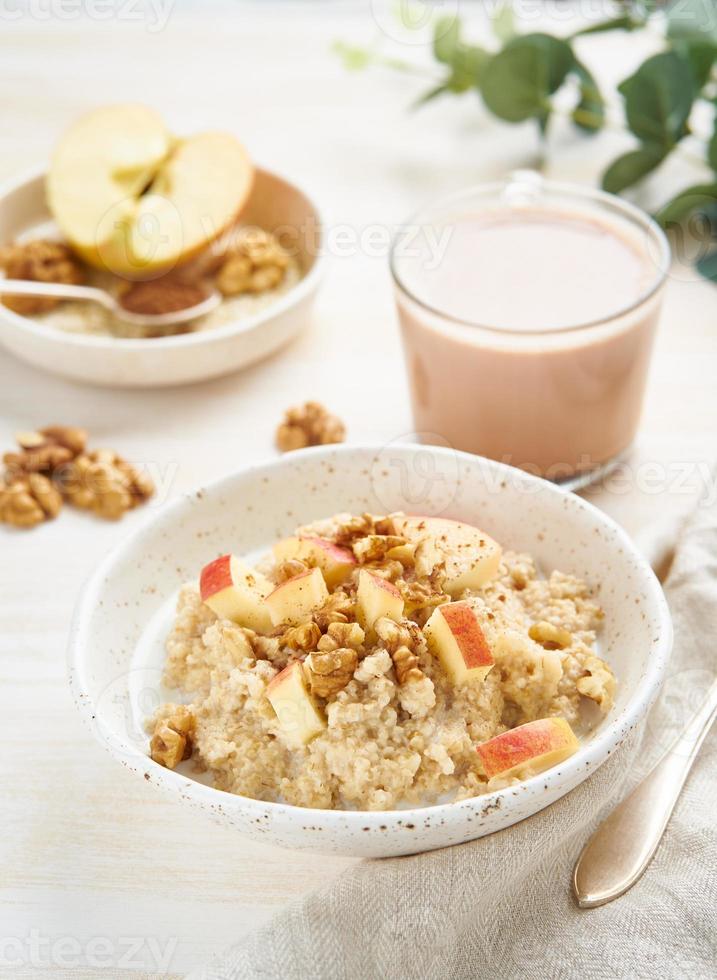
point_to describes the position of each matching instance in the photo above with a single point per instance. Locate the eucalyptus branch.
(521, 81)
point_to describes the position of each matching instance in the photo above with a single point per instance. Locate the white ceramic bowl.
(174, 360)
(116, 653)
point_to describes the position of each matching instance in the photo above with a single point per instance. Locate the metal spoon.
(624, 844)
(22, 287)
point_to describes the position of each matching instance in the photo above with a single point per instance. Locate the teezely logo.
(154, 14)
(408, 474)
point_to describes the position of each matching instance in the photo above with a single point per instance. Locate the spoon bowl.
(92, 294)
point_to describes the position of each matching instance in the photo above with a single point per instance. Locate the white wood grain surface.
(101, 876)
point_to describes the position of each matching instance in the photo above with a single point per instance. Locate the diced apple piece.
(335, 562)
(298, 713)
(455, 636)
(529, 749)
(471, 556)
(293, 601)
(377, 597)
(235, 591)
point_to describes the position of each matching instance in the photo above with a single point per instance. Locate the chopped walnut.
(26, 501)
(407, 665)
(168, 294)
(254, 263)
(598, 683)
(417, 596)
(103, 482)
(387, 568)
(549, 636)
(309, 424)
(302, 638)
(329, 672)
(41, 260)
(172, 739)
(374, 547)
(338, 608)
(401, 640)
(45, 450)
(342, 635)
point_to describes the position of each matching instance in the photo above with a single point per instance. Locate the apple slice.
(529, 749)
(299, 715)
(472, 557)
(131, 198)
(454, 635)
(293, 601)
(377, 597)
(235, 591)
(335, 562)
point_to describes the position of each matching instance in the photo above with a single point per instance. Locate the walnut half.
(171, 741)
(41, 260)
(103, 482)
(309, 424)
(328, 673)
(26, 501)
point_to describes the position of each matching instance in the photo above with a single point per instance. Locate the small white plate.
(150, 362)
(116, 647)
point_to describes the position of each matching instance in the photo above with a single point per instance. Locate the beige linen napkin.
(501, 907)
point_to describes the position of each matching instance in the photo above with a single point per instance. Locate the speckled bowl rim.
(162, 345)
(571, 772)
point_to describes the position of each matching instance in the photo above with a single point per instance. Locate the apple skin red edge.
(215, 576)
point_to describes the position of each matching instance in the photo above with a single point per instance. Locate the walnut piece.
(338, 608)
(549, 636)
(374, 547)
(309, 424)
(41, 260)
(45, 450)
(289, 568)
(103, 482)
(328, 673)
(254, 263)
(172, 738)
(167, 294)
(401, 640)
(26, 501)
(342, 635)
(303, 638)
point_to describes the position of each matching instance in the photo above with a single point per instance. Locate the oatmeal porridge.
(375, 661)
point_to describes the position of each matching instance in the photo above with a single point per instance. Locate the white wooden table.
(100, 875)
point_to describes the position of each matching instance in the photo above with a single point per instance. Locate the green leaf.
(519, 80)
(353, 58)
(694, 19)
(624, 23)
(701, 56)
(658, 99)
(633, 166)
(712, 150)
(446, 38)
(683, 204)
(707, 266)
(589, 113)
(503, 22)
(469, 63)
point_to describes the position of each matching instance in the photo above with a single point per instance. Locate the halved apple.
(293, 601)
(377, 597)
(131, 198)
(335, 562)
(529, 749)
(237, 592)
(471, 556)
(455, 637)
(298, 713)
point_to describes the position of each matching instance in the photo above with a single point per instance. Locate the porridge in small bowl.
(374, 662)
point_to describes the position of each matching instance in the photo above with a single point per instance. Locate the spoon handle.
(624, 844)
(57, 290)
